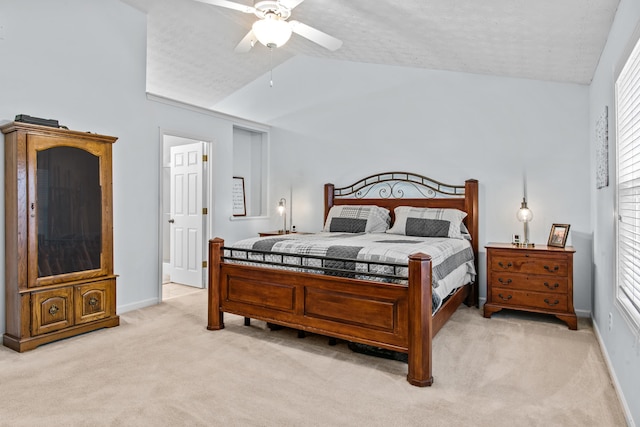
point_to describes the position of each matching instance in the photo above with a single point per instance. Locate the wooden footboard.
(392, 316)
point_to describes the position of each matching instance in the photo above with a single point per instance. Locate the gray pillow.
(347, 225)
(427, 227)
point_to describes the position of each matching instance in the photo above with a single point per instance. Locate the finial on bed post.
(420, 320)
(215, 316)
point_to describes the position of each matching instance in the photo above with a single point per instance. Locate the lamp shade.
(272, 31)
(524, 214)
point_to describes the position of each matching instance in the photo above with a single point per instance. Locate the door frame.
(206, 202)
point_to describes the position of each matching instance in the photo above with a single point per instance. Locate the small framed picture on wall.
(239, 203)
(558, 235)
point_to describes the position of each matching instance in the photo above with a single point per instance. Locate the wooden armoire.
(59, 278)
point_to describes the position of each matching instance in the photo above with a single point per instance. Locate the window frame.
(629, 309)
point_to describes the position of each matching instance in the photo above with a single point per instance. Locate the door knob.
(171, 221)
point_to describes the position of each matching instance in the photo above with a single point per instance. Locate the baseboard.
(584, 313)
(614, 378)
(136, 305)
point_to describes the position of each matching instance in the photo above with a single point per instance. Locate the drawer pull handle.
(551, 303)
(93, 301)
(504, 282)
(503, 266)
(554, 286)
(507, 298)
(53, 310)
(556, 268)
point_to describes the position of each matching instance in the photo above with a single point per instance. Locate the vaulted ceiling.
(191, 45)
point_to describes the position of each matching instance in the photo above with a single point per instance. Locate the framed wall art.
(602, 149)
(239, 202)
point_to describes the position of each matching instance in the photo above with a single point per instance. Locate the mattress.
(452, 259)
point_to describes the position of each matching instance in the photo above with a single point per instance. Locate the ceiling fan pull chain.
(271, 67)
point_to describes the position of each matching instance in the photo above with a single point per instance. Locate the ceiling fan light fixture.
(272, 31)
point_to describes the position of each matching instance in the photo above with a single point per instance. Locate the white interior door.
(186, 216)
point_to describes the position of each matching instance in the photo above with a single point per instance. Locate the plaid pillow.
(357, 219)
(428, 222)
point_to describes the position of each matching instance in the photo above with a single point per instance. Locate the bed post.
(215, 316)
(471, 206)
(420, 320)
(328, 200)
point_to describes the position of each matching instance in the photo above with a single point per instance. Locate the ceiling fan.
(272, 28)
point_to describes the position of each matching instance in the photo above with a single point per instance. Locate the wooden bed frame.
(386, 315)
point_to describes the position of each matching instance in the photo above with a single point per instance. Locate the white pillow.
(357, 219)
(428, 222)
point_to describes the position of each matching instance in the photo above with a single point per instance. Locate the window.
(627, 92)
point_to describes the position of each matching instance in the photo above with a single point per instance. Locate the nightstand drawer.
(557, 285)
(546, 301)
(530, 264)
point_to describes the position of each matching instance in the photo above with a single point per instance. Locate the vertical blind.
(627, 88)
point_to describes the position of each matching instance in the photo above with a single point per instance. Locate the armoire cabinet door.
(69, 210)
(51, 310)
(93, 301)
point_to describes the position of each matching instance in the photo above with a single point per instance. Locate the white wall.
(83, 63)
(339, 121)
(622, 347)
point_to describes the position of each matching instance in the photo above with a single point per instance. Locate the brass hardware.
(205, 158)
(93, 301)
(204, 264)
(556, 302)
(555, 285)
(53, 310)
(205, 211)
(504, 282)
(507, 298)
(556, 268)
(503, 266)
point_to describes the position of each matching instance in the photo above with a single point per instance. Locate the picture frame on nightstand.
(558, 235)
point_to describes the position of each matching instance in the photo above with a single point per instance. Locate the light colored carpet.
(161, 367)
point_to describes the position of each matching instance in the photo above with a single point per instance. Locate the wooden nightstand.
(275, 233)
(537, 279)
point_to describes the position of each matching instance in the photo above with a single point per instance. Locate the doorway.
(184, 209)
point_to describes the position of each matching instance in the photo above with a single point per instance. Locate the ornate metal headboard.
(392, 189)
(398, 185)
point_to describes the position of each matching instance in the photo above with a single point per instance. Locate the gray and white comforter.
(452, 259)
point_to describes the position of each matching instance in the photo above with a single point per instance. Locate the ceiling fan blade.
(316, 36)
(290, 3)
(246, 43)
(230, 5)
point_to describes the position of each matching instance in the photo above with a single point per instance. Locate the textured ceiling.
(191, 45)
